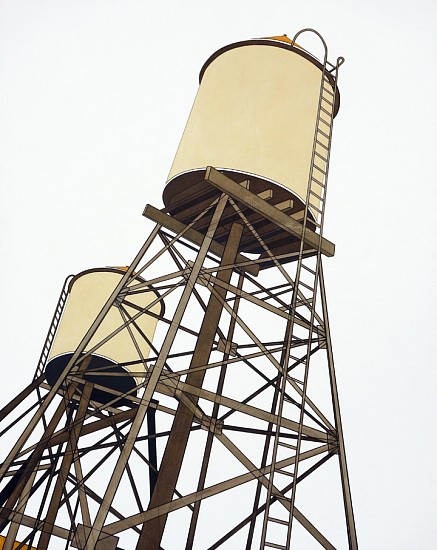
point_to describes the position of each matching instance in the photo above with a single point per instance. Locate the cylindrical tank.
(254, 118)
(87, 294)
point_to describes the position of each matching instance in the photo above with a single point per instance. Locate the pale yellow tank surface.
(88, 292)
(254, 114)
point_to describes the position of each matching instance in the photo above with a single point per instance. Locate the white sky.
(94, 96)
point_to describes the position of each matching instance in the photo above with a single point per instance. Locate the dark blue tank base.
(100, 367)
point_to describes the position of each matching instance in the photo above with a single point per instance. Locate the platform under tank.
(253, 118)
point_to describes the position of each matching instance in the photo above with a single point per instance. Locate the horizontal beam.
(141, 517)
(196, 237)
(276, 216)
(252, 411)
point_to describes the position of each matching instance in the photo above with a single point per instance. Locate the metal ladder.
(304, 296)
(53, 326)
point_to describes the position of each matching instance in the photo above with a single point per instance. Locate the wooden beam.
(250, 200)
(195, 236)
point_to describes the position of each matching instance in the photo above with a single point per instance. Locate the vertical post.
(152, 531)
(151, 442)
(61, 480)
(347, 498)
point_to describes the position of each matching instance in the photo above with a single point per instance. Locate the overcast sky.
(94, 96)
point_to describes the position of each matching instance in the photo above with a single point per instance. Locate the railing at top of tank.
(340, 60)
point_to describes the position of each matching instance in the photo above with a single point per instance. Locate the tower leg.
(347, 498)
(152, 531)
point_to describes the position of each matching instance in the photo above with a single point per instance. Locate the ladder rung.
(295, 379)
(323, 133)
(327, 101)
(316, 195)
(293, 447)
(317, 181)
(315, 208)
(308, 269)
(284, 472)
(320, 156)
(306, 286)
(277, 520)
(319, 169)
(325, 110)
(304, 303)
(274, 545)
(322, 144)
(327, 123)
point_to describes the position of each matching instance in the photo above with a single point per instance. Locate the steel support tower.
(217, 444)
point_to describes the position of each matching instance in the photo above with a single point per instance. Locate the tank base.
(120, 384)
(187, 194)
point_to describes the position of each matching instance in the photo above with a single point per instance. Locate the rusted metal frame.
(12, 405)
(267, 440)
(255, 412)
(94, 496)
(177, 257)
(264, 263)
(187, 232)
(271, 256)
(263, 304)
(47, 526)
(29, 521)
(274, 296)
(174, 253)
(11, 537)
(148, 341)
(285, 287)
(252, 517)
(275, 363)
(278, 394)
(173, 455)
(324, 178)
(230, 361)
(281, 390)
(126, 395)
(49, 476)
(347, 497)
(272, 381)
(252, 201)
(76, 355)
(120, 438)
(267, 432)
(147, 285)
(140, 454)
(132, 319)
(153, 380)
(179, 235)
(215, 410)
(162, 319)
(88, 491)
(274, 491)
(61, 436)
(22, 415)
(134, 340)
(11, 492)
(119, 526)
(84, 508)
(171, 388)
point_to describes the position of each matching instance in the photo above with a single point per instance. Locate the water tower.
(189, 399)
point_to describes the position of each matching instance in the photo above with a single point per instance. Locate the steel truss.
(227, 385)
(221, 439)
